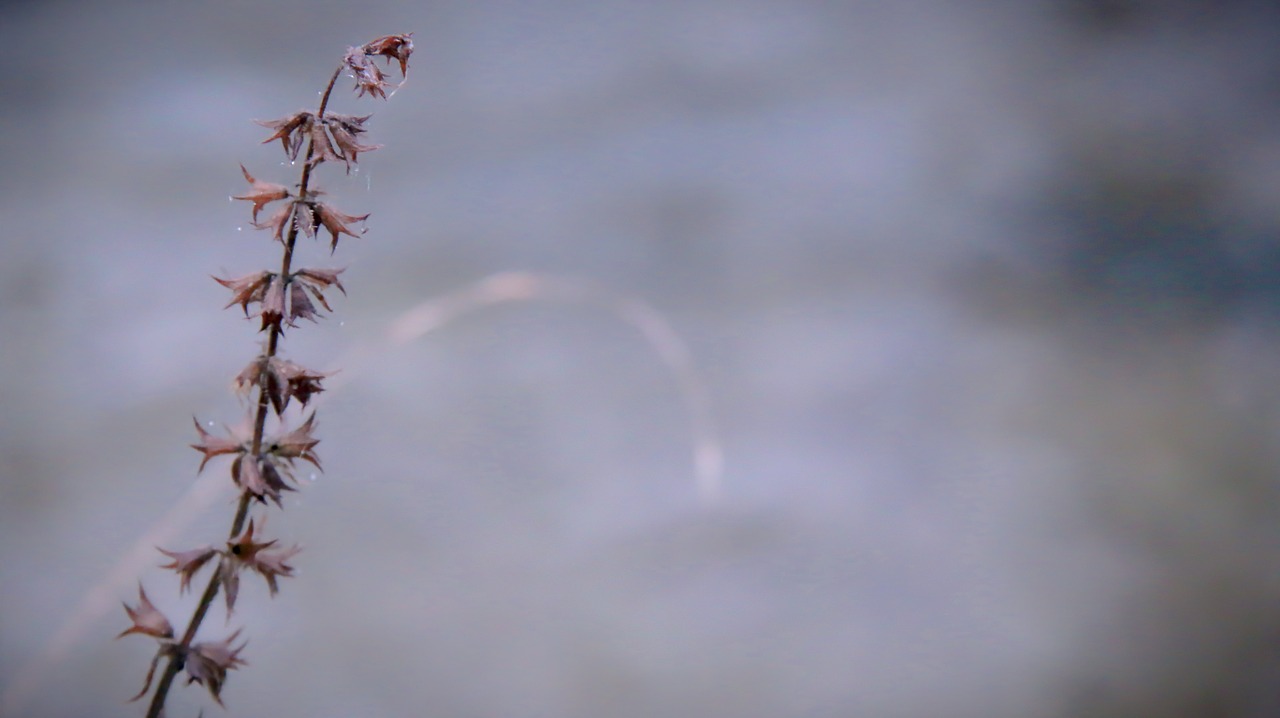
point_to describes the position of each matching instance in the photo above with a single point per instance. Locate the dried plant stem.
(176, 657)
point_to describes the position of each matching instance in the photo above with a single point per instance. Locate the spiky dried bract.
(369, 79)
(270, 564)
(246, 552)
(212, 446)
(207, 663)
(147, 619)
(261, 193)
(297, 444)
(247, 289)
(299, 382)
(344, 129)
(239, 552)
(278, 221)
(320, 279)
(300, 306)
(188, 563)
(337, 222)
(291, 131)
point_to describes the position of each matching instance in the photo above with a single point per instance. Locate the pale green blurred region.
(983, 296)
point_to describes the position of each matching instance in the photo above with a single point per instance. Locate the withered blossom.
(369, 79)
(398, 47)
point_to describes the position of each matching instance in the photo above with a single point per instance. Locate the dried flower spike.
(263, 461)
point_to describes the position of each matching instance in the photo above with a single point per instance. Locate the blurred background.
(982, 297)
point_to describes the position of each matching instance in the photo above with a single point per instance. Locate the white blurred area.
(982, 299)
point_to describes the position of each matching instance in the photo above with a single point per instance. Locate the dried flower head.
(393, 46)
(369, 78)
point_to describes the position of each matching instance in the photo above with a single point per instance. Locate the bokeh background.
(982, 296)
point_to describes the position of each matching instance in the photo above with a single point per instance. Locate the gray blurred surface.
(983, 296)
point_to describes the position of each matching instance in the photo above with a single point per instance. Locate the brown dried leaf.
(261, 193)
(146, 619)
